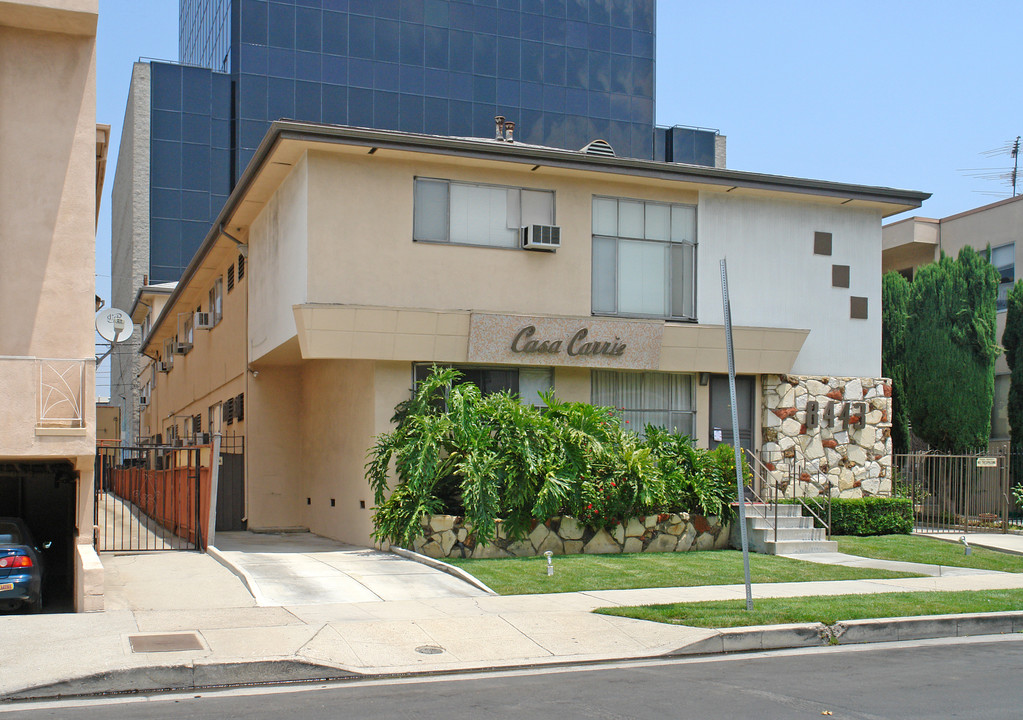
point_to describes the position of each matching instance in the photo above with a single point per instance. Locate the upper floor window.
(471, 214)
(1003, 258)
(644, 258)
(217, 300)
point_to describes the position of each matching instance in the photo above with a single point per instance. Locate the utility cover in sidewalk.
(171, 642)
(429, 650)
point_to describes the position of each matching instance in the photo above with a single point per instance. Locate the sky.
(900, 94)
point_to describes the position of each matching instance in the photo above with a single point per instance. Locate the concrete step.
(794, 547)
(759, 509)
(808, 534)
(783, 522)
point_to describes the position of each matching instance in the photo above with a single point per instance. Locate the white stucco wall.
(775, 280)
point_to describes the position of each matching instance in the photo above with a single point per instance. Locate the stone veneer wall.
(857, 462)
(447, 536)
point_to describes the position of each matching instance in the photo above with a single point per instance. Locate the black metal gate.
(963, 493)
(231, 485)
(151, 497)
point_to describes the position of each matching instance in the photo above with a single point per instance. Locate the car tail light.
(16, 561)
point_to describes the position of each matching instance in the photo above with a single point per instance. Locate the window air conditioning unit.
(541, 237)
(203, 320)
(143, 400)
(182, 348)
(163, 366)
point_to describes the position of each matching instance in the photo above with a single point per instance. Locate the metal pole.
(211, 524)
(740, 485)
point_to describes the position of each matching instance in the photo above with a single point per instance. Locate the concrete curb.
(850, 632)
(443, 567)
(170, 678)
(243, 575)
(198, 676)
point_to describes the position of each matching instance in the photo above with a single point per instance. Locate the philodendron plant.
(490, 458)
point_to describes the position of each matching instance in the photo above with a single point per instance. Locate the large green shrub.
(866, 516)
(951, 351)
(894, 311)
(1012, 341)
(487, 458)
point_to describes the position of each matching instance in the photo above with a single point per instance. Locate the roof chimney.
(499, 122)
(509, 129)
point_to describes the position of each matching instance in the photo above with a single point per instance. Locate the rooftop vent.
(600, 147)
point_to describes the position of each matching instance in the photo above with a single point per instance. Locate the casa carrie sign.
(571, 341)
(576, 345)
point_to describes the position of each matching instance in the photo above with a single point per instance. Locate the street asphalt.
(291, 607)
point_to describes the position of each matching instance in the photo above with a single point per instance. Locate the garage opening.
(43, 495)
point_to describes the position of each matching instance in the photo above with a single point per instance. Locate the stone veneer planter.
(447, 536)
(803, 459)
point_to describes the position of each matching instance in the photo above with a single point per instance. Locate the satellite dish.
(114, 325)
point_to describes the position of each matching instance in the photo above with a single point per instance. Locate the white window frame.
(419, 236)
(217, 301)
(686, 246)
(1004, 286)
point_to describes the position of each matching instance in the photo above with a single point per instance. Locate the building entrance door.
(721, 411)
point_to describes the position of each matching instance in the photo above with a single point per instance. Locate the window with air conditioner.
(477, 214)
(644, 259)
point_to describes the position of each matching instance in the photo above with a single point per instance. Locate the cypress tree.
(1012, 341)
(894, 308)
(951, 350)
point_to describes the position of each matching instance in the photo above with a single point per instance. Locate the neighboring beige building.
(348, 260)
(48, 205)
(916, 241)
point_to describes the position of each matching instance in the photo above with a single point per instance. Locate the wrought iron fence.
(966, 492)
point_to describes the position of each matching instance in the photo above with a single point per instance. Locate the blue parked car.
(21, 566)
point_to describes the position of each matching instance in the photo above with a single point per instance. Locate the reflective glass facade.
(565, 71)
(190, 162)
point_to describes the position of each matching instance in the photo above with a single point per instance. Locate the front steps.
(796, 534)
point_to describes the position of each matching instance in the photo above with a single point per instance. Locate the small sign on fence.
(987, 462)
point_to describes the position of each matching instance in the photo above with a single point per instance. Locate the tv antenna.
(1009, 177)
(115, 326)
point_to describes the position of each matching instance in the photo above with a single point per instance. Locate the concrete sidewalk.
(248, 643)
(1008, 542)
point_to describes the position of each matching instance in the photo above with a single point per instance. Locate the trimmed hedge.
(867, 516)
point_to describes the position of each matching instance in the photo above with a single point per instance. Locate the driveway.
(306, 569)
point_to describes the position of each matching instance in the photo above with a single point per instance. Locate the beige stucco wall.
(47, 233)
(361, 250)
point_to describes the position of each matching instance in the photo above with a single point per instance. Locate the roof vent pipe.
(509, 130)
(499, 122)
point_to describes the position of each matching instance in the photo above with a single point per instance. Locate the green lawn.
(827, 610)
(913, 548)
(522, 576)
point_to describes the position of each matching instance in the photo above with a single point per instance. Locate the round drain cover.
(429, 650)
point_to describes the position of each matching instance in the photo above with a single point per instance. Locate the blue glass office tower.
(566, 71)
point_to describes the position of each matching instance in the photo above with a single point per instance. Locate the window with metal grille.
(241, 266)
(229, 411)
(197, 424)
(239, 407)
(230, 278)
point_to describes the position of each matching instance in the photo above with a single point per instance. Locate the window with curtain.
(644, 258)
(647, 398)
(472, 214)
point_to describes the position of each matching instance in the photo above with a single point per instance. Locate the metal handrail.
(773, 494)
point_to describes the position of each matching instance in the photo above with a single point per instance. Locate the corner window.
(1003, 258)
(469, 214)
(644, 259)
(217, 300)
(647, 398)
